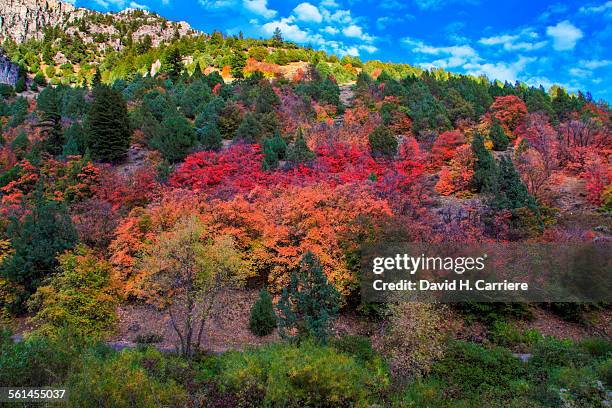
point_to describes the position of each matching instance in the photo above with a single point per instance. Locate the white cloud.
(437, 4)
(330, 30)
(135, 5)
(451, 56)
(592, 9)
(259, 7)
(102, 3)
(329, 4)
(500, 70)
(565, 35)
(353, 31)
(217, 4)
(290, 30)
(512, 43)
(384, 22)
(523, 41)
(368, 48)
(307, 12)
(580, 72)
(594, 64)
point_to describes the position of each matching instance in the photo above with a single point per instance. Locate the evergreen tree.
(250, 129)
(108, 125)
(382, 142)
(274, 149)
(485, 168)
(277, 38)
(263, 319)
(266, 99)
(210, 137)
(37, 239)
(298, 152)
(97, 78)
(20, 145)
(237, 64)
(173, 63)
(76, 143)
(309, 304)
(177, 137)
(49, 105)
(498, 137)
(511, 193)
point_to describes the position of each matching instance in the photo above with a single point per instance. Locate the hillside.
(185, 220)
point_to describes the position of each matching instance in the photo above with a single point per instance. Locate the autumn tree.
(445, 145)
(108, 125)
(79, 296)
(309, 304)
(510, 110)
(187, 271)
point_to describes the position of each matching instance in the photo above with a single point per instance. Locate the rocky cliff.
(21, 20)
(9, 72)
(24, 19)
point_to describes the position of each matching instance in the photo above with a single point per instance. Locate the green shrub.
(80, 296)
(308, 375)
(382, 142)
(263, 318)
(119, 380)
(472, 369)
(298, 151)
(414, 339)
(357, 346)
(508, 335)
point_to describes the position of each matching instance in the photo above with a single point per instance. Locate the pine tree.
(237, 63)
(250, 129)
(277, 38)
(37, 239)
(173, 63)
(108, 125)
(511, 193)
(177, 137)
(274, 149)
(298, 152)
(49, 105)
(210, 137)
(382, 142)
(309, 304)
(498, 137)
(97, 79)
(263, 319)
(485, 168)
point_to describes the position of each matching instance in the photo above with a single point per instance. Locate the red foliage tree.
(510, 110)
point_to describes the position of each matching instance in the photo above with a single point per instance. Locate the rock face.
(9, 72)
(21, 20)
(24, 19)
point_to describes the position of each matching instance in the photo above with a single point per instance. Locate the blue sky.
(533, 41)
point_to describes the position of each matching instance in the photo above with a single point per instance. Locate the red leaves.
(222, 174)
(509, 110)
(445, 146)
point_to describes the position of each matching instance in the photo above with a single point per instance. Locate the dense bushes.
(303, 376)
